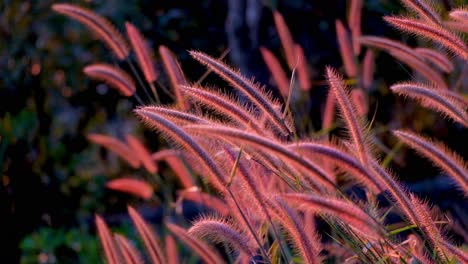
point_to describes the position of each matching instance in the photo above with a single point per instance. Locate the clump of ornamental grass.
(265, 184)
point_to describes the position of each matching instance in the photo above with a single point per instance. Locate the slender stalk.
(140, 81)
(155, 92)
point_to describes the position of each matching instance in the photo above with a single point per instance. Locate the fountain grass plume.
(221, 230)
(435, 33)
(314, 174)
(107, 241)
(276, 70)
(206, 253)
(143, 154)
(307, 244)
(302, 69)
(129, 253)
(115, 77)
(346, 49)
(225, 105)
(135, 187)
(179, 136)
(349, 115)
(437, 58)
(344, 160)
(116, 146)
(142, 52)
(424, 10)
(176, 75)
(256, 94)
(286, 39)
(148, 236)
(439, 154)
(406, 55)
(97, 24)
(433, 99)
(339, 209)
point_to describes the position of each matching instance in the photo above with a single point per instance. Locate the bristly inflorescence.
(264, 184)
(431, 97)
(406, 55)
(435, 33)
(114, 76)
(142, 52)
(99, 25)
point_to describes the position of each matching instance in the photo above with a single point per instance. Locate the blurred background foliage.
(52, 179)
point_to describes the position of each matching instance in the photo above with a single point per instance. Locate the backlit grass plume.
(306, 241)
(460, 14)
(349, 114)
(179, 136)
(432, 98)
(435, 33)
(438, 153)
(117, 147)
(176, 75)
(221, 230)
(107, 241)
(99, 25)
(314, 174)
(406, 55)
(436, 58)
(129, 253)
(142, 52)
(276, 71)
(424, 10)
(264, 184)
(287, 41)
(346, 49)
(257, 95)
(207, 253)
(347, 212)
(135, 187)
(225, 105)
(303, 73)
(148, 236)
(142, 153)
(115, 77)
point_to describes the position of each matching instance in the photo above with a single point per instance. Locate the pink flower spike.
(346, 49)
(113, 76)
(142, 153)
(277, 72)
(116, 146)
(142, 52)
(302, 68)
(433, 32)
(131, 186)
(286, 39)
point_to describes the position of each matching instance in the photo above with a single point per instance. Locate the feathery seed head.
(142, 52)
(115, 77)
(99, 25)
(433, 32)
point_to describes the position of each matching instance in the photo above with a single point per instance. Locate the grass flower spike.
(99, 25)
(115, 77)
